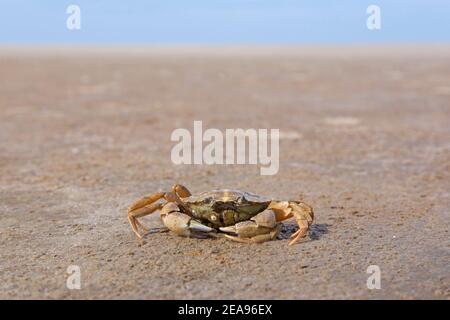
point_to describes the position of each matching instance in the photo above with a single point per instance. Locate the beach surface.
(364, 139)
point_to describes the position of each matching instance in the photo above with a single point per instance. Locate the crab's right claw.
(182, 224)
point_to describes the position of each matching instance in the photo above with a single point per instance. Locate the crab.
(238, 215)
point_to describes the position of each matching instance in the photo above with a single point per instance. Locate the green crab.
(241, 216)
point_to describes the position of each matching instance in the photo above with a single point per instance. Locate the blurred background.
(224, 22)
(86, 116)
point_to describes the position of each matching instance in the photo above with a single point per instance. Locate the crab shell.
(222, 208)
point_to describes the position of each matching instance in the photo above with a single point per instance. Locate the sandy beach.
(364, 139)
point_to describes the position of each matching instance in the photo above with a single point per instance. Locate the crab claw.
(260, 223)
(250, 232)
(181, 223)
(245, 229)
(230, 229)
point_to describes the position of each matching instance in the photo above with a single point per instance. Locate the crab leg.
(143, 207)
(146, 201)
(178, 189)
(181, 191)
(149, 204)
(302, 213)
(304, 216)
(133, 215)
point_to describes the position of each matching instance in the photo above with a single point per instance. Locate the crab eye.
(213, 218)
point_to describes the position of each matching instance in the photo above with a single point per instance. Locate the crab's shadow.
(315, 232)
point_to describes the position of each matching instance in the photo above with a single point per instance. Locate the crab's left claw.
(262, 227)
(182, 224)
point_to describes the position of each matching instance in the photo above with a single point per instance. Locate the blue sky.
(224, 22)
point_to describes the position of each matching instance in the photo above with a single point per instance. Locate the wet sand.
(364, 140)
